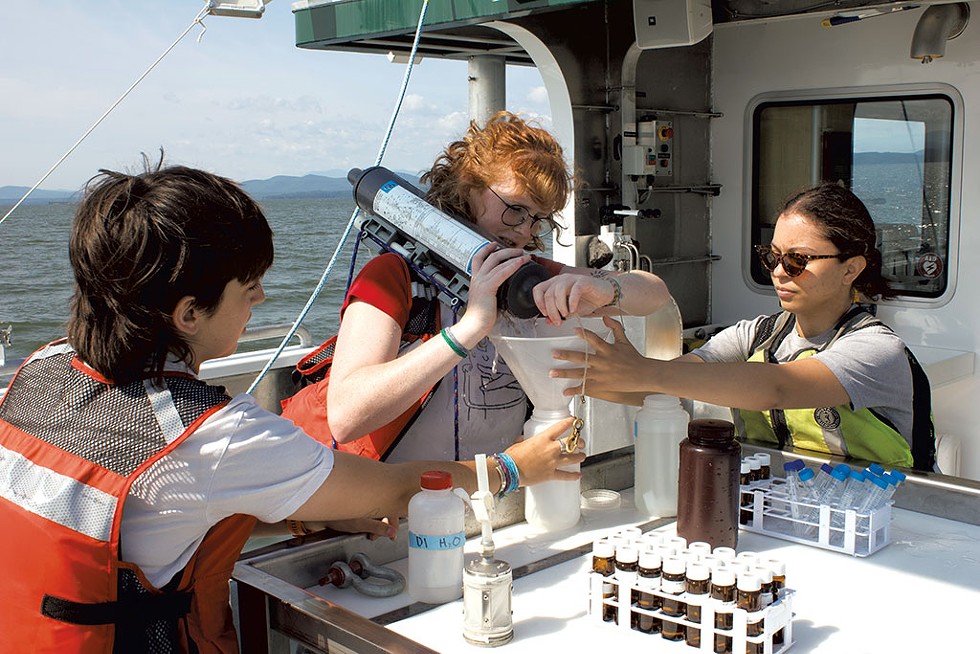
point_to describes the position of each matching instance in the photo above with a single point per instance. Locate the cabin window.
(895, 153)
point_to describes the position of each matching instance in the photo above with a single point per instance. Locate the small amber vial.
(673, 582)
(754, 627)
(778, 569)
(745, 496)
(766, 595)
(698, 581)
(748, 597)
(649, 581)
(627, 557)
(765, 465)
(723, 595)
(756, 468)
(604, 563)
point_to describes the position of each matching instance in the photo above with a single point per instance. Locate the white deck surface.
(921, 593)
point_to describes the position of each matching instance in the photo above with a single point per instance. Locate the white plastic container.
(659, 428)
(436, 539)
(551, 505)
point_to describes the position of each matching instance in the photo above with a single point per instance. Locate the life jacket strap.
(146, 608)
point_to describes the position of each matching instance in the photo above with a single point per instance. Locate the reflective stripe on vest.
(71, 446)
(834, 430)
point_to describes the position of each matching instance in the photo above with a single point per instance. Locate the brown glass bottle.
(708, 483)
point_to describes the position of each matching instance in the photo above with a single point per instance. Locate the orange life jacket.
(307, 409)
(71, 445)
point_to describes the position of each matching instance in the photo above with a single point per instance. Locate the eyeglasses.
(514, 215)
(793, 263)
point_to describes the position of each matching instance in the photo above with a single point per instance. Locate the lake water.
(36, 281)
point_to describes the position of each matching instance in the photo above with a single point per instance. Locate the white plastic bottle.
(551, 505)
(436, 539)
(659, 428)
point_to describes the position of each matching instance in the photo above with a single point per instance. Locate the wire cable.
(350, 223)
(197, 20)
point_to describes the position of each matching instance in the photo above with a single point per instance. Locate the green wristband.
(454, 344)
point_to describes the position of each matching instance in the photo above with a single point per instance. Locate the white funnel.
(529, 356)
(552, 505)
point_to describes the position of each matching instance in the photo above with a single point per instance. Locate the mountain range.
(275, 188)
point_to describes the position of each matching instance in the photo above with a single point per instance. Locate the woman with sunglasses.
(423, 382)
(824, 374)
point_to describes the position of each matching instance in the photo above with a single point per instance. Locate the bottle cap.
(777, 566)
(746, 468)
(826, 467)
(653, 538)
(650, 559)
(698, 572)
(877, 469)
(673, 565)
(436, 480)
(702, 548)
(677, 542)
(747, 556)
(794, 466)
(603, 548)
(843, 466)
(632, 534)
(689, 557)
(748, 582)
(898, 476)
(723, 577)
(806, 474)
(840, 474)
(754, 463)
(879, 482)
(857, 476)
(763, 572)
(763, 458)
(627, 554)
(725, 553)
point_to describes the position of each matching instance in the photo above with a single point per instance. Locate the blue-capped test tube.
(793, 491)
(833, 488)
(853, 489)
(877, 494)
(876, 469)
(823, 477)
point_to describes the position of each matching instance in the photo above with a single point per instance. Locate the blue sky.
(243, 102)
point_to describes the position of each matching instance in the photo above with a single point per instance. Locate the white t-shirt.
(242, 459)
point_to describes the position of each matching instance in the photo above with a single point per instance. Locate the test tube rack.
(766, 508)
(777, 618)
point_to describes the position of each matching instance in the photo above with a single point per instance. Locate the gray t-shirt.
(869, 363)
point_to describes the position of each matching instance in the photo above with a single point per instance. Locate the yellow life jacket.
(839, 430)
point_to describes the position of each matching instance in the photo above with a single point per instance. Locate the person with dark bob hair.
(131, 485)
(823, 374)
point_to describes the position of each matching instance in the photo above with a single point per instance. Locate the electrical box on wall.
(669, 23)
(648, 149)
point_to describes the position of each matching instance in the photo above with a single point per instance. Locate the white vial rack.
(766, 508)
(777, 618)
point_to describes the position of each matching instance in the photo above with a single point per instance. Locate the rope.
(350, 223)
(197, 20)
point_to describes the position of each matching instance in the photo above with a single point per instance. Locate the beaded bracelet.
(511, 474)
(617, 291)
(455, 345)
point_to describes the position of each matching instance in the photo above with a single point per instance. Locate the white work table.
(918, 594)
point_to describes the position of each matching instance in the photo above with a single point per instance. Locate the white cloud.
(537, 95)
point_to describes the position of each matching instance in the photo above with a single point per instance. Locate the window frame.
(856, 94)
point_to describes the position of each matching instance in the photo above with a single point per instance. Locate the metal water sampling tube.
(440, 245)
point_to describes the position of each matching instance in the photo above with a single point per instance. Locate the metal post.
(488, 89)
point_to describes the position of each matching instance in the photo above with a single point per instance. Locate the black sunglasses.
(793, 263)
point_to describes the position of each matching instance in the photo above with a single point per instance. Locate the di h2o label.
(424, 542)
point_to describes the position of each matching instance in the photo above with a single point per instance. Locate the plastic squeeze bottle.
(435, 540)
(659, 428)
